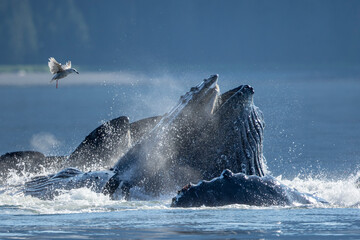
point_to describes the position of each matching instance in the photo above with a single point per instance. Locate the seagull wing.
(54, 66)
(67, 65)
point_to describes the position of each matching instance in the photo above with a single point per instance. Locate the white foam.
(81, 200)
(338, 192)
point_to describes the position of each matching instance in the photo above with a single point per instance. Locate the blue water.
(311, 143)
(224, 223)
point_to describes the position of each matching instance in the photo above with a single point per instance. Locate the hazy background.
(145, 35)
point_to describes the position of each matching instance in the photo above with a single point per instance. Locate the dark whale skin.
(239, 188)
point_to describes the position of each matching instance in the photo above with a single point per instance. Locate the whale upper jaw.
(192, 109)
(203, 97)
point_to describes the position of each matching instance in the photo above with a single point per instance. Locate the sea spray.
(338, 192)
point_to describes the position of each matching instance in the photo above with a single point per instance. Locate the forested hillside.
(151, 33)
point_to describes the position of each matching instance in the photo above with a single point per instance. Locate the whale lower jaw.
(230, 188)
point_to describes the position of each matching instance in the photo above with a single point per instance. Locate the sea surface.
(312, 139)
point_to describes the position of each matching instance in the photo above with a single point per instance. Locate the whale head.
(240, 128)
(203, 134)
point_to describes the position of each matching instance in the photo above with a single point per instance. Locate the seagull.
(60, 71)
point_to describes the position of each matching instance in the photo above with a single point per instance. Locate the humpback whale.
(203, 134)
(21, 162)
(99, 150)
(239, 188)
(107, 143)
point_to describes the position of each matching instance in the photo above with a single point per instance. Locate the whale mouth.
(205, 87)
(207, 83)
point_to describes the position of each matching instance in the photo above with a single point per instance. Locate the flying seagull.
(60, 71)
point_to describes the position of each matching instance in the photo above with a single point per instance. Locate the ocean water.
(311, 143)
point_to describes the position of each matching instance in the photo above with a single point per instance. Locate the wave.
(338, 192)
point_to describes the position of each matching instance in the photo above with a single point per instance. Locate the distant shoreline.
(18, 68)
(35, 74)
(34, 68)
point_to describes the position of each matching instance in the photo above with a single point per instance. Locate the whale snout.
(249, 88)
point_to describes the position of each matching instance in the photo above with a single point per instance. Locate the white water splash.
(338, 192)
